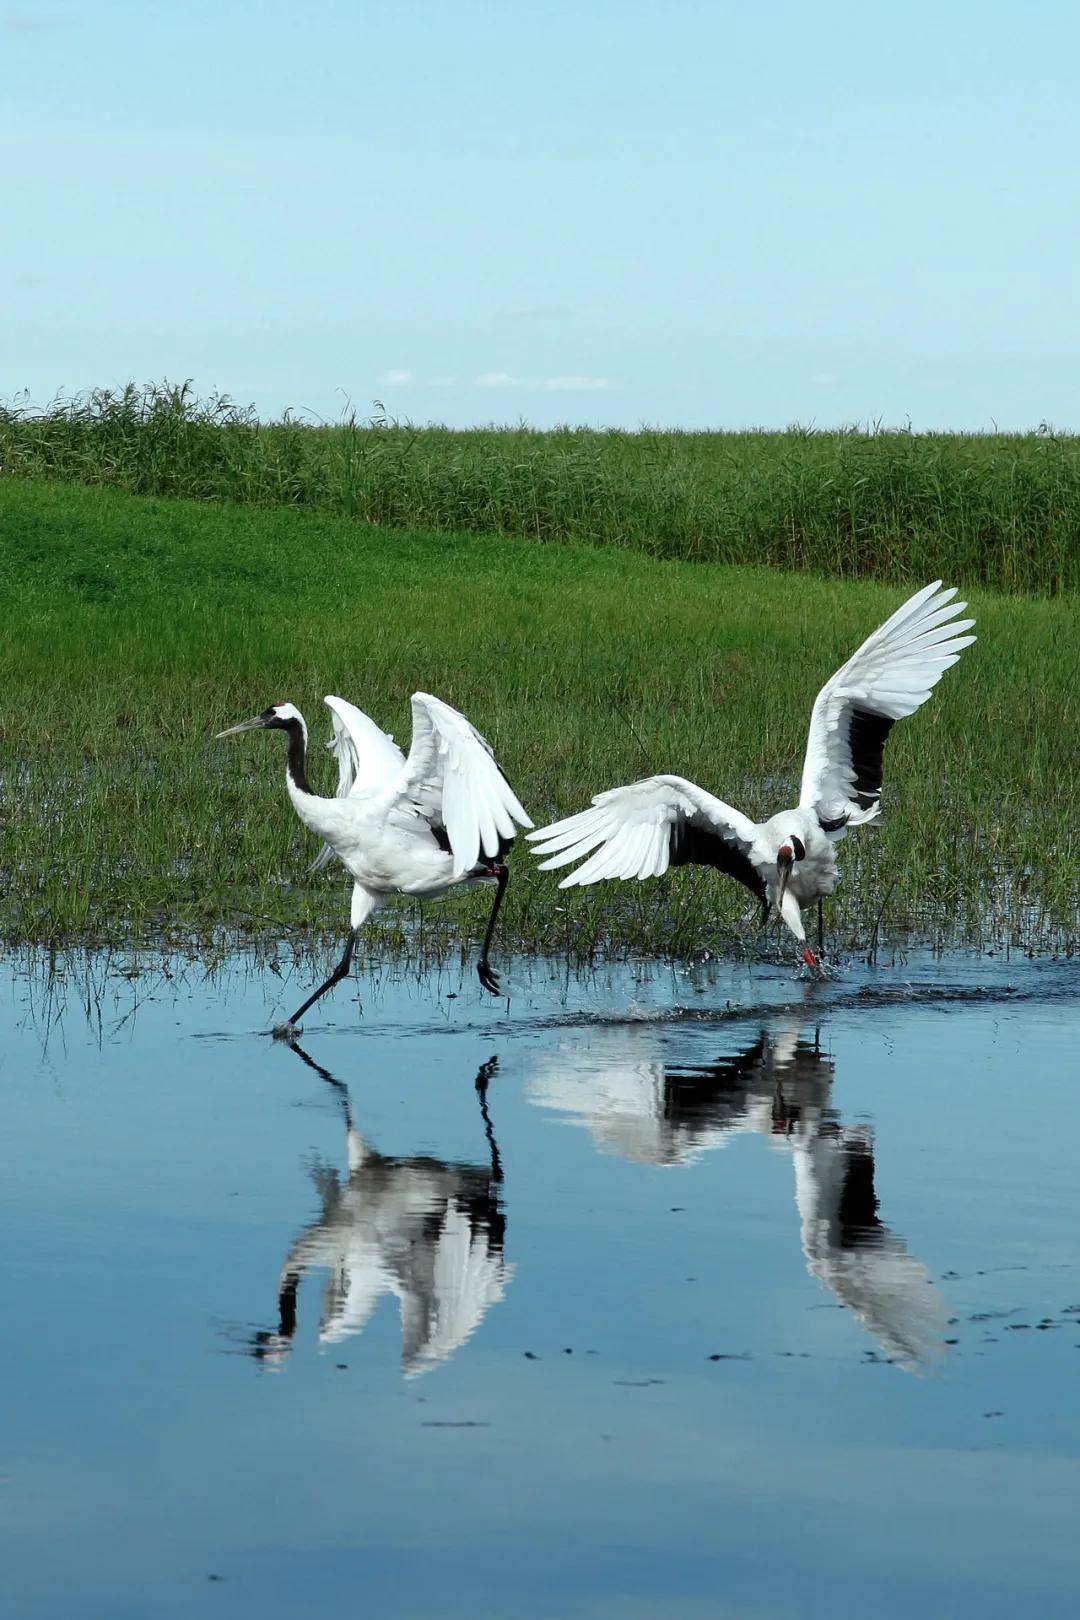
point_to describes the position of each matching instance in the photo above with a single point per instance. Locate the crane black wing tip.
(831, 824)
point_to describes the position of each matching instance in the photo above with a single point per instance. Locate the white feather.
(627, 832)
(367, 757)
(452, 779)
(890, 676)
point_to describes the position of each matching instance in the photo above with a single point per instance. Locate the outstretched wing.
(452, 779)
(451, 1282)
(849, 1249)
(641, 830)
(367, 757)
(891, 675)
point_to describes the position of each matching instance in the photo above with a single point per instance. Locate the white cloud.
(398, 379)
(560, 385)
(575, 385)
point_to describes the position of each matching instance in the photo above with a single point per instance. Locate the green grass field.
(136, 628)
(996, 510)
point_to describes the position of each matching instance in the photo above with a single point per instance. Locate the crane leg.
(339, 1086)
(284, 1031)
(488, 977)
(814, 962)
(267, 1346)
(486, 1071)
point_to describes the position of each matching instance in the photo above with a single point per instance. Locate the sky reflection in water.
(575, 1310)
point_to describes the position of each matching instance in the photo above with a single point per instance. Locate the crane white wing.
(367, 757)
(464, 1275)
(453, 780)
(891, 675)
(864, 1263)
(641, 830)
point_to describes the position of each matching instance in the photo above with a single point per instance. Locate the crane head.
(278, 717)
(792, 850)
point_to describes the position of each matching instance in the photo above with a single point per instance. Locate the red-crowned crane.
(441, 819)
(429, 1231)
(788, 861)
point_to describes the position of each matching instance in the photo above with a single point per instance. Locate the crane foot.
(488, 977)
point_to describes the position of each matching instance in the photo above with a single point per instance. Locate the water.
(693, 1294)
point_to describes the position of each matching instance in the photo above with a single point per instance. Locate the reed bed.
(136, 628)
(997, 510)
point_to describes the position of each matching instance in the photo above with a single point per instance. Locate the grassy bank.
(136, 628)
(996, 510)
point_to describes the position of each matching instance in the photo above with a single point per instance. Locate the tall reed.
(994, 509)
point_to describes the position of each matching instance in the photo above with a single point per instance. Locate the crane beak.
(784, 863)
(245, 725)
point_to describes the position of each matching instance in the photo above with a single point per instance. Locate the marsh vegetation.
(138, 627)
(1001, 510)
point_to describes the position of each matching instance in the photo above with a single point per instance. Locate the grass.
(997, 510)
(136, 628)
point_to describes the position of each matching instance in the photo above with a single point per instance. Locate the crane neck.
(296, 760)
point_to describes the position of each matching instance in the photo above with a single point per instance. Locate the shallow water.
(705, 1293)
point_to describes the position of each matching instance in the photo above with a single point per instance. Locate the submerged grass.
(136, 628)
(1000, 510)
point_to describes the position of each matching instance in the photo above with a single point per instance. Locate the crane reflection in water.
(426, 1231)
(651, 1112)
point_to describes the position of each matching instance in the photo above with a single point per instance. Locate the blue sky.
(679, 214)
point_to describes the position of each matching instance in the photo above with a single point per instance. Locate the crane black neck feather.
(296, 763)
